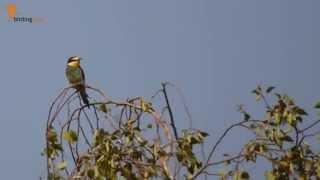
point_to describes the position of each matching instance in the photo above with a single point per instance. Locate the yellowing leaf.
(103, 108)
(291, 118)
(318, 170)
(277, 118)
(51, 135)
(62, 165)
(70, 136)
(269, 175)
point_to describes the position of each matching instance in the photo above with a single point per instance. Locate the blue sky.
(215, 51)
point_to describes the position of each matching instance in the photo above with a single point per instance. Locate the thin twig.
(308, 127)
(172, 123)
(184, 103)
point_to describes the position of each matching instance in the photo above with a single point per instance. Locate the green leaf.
(203, 134)
(149, 126)
(287, 138)
(246, 116)
(91, 173)
(255, 92)
(70, 136)
(195, 140)
(269, 89)
(300, 111)
(62, 165)
(278, 95)
(244, 175)
(57, 147)
(317, 106)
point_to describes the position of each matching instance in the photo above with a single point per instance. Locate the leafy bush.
(140, 143)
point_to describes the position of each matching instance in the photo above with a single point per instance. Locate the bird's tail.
(84, 95)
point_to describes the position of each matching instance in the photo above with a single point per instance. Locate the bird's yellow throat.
(74, 64)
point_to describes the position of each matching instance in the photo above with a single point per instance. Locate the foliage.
(142, 144)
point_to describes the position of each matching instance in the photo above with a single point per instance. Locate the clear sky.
(216, 51)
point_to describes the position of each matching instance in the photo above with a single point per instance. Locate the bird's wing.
(82, 74)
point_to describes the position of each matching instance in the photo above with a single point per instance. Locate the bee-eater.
(76, 77)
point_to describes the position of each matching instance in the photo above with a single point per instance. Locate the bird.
(76, 77)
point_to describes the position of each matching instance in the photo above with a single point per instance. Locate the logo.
(12, 15)
(11, 10)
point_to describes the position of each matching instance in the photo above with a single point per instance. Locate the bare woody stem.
(172, 123)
